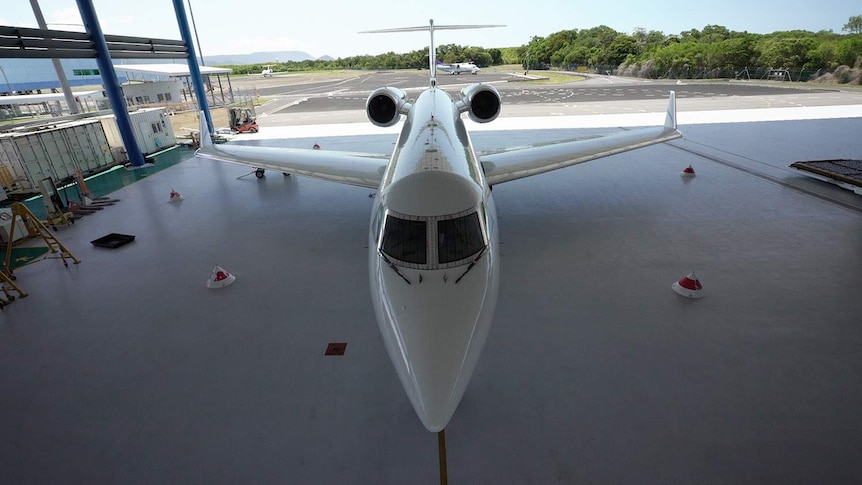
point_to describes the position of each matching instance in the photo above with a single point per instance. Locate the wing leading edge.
(535, 159)
(363, 169)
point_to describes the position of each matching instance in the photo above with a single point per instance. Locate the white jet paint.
(433, 250)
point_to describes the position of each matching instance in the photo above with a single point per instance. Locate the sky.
(330, 27)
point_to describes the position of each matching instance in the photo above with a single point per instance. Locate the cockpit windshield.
(405, 240)
(459, 238)
(411, 240)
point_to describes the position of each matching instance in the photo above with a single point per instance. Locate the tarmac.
(126, 368)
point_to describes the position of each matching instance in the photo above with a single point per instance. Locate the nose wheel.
(259, 173)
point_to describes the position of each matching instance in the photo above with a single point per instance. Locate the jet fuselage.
(434, 258)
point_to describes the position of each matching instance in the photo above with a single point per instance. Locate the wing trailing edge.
(362, 169)
(532, 160)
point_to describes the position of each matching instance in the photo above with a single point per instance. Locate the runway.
(127, 369)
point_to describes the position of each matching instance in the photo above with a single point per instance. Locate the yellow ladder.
(7, 285)
(35, 229)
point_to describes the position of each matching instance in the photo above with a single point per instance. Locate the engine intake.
(385, 106)
(481, 101)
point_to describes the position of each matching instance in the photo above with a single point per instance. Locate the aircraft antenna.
(432, 51)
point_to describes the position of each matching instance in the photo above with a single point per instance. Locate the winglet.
(670, 120)
(206, 139)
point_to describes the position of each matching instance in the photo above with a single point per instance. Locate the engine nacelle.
(386, 105)
(481, 101)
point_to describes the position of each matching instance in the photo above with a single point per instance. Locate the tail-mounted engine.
(385, 105)
(481, 101)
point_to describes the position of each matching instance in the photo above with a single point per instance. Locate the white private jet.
(433, 250)
(459, 67)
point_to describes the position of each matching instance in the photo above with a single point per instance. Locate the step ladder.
(7, 286)
(35, 229)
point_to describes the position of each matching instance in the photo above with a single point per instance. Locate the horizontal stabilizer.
(430, 28)
(426, 28)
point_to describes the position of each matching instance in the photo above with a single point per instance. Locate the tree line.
(418, 59)
(641, 53)
(653, 54)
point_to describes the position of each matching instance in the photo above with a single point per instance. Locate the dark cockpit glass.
(405, 240)
(459, 238)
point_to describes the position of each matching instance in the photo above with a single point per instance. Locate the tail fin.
(432, 51)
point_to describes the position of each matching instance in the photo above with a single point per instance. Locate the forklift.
(242, 120)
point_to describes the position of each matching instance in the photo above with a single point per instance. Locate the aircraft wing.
(521, 162)
(363, 169)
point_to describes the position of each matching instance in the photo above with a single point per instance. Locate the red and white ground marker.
(220, 278)
(175, 196)
(687, 172)
(689, 286)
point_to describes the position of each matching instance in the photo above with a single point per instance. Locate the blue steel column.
(194, 70)
(109, 79)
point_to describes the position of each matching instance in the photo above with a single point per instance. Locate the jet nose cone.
(437, 340)
(434, 330)
(443, 344)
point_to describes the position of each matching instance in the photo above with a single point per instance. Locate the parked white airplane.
(433, 250)
(459, 67)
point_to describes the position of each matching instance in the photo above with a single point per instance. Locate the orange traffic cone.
(689, 286)
(175, 196)
(687, 172)
(220, 278)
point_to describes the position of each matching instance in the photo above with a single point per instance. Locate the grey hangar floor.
(127, 369)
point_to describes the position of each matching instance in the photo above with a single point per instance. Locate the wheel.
(285, 174)
(259, 173)
(252, 130)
